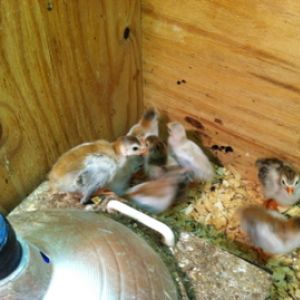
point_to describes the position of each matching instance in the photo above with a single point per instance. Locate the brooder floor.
(209, 213)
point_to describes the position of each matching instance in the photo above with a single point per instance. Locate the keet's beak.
(290, 190)
(144, 151)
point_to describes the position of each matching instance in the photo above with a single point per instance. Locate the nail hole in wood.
(126, 33)
(49, 6)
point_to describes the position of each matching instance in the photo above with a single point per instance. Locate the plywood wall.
(69, 72)
(230, 68)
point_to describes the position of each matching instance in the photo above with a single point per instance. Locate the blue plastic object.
(3, 231)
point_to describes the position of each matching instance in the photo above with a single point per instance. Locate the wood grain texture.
(67, 75)
(233, 66)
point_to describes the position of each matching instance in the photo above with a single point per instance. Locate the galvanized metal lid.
(92, 257)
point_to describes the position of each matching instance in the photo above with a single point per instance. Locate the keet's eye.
(297, 182)
(135, 148)
(282, 181)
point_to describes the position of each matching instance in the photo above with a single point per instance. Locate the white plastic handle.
(163, 229)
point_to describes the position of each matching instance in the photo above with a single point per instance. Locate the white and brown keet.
(146, 126)
(269, 230)
(90, 166)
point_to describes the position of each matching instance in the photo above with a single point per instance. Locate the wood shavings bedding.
(219, 202)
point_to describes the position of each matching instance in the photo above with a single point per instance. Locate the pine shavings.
(218, 203)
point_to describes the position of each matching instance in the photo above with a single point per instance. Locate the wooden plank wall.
(230, 68)
(68, 73)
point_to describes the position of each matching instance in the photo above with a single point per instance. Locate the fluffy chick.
(158, 195)
(188, 154)
(120, 183)
(269, 230)
(279, 181)
(146, 126)
(90, 166)
(156, 157)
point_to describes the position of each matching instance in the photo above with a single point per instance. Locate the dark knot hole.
(126, 33)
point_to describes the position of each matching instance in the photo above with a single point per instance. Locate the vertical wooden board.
(67, 75)
(232, 66)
